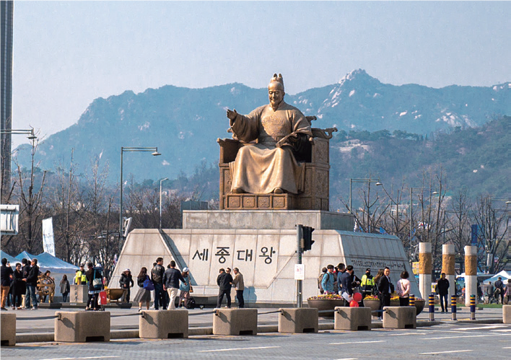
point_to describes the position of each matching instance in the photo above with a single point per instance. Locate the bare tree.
(458, 220)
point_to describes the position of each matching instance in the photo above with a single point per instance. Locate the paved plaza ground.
(453, 340)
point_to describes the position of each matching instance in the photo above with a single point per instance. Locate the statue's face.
(275, 93)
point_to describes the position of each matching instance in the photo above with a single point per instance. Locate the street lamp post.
(161, 181)
(155, 152)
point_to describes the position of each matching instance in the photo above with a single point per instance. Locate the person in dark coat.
(64, 288)
(25, 268)
(126, 282)
(224, 281)
(6, 276)
(18, 287)
(171, 279)
(443, 291)
(31, 281)
(385, 288)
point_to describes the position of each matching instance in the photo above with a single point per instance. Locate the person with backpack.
(327, 283)
(499, 290)
(144, 293)
(95, 281)
(320, 280)
(160, 298)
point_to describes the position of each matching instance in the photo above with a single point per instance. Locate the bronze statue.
(275, 136)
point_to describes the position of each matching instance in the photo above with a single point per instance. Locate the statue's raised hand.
(231, 114)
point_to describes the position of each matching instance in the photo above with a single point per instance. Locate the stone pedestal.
(8, 329)
(155, 324)
(352, 318)
(78, 294)
(506, 314)
(82, 326)
(299, 320)
(399, 317)
(235, 322)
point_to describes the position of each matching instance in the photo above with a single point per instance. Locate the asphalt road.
(453, 341)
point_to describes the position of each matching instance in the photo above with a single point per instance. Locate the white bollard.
(470, 273)
(425, 269)
(448, 260)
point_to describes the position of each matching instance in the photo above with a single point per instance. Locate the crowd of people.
(342, 280)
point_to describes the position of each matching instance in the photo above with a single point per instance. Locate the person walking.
(239, 284)
(385, 288)
(157, 277)
(224, 282)
(327, 283)
(31, 280)
(144, 293)
(64, 288)
(443, 291)
(185, 288)
(403, 289)
(18, 287)
(171, 279)
(367, 283)
(6, 277)
(126, 282)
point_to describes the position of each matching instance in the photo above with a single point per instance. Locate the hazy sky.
(66, 54)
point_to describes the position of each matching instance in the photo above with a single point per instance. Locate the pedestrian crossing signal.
(307, 238)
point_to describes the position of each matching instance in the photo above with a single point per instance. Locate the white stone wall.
(267, 278)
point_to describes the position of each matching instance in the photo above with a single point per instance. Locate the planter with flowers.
(373, 303)
(325, 302)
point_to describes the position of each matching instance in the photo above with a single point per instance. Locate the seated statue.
(275, 137)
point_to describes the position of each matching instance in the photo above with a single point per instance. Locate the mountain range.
(184, 123)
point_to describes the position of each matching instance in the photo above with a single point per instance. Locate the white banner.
(48, 240)
(9, 219)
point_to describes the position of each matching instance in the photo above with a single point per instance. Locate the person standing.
(224, 282)
(347, 290)
(25, 269)
(64, 288)
(18, 287)
(508, 291)
(341, 270)
(239, 283)
(143, 294)
(403, 289)
(386, 288)
(171, 279)
(157, 277)
(367, 283)
(327, 283)
(6, 277)
(443, 291)
(499, 286)
(184, 288)
(32, 277)
(126, 282)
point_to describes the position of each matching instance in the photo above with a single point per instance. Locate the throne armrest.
(228, 149)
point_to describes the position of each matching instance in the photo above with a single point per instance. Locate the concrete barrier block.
(82, 326)
(8, 329)
(506, 314)
(352, 318)
(299, 320)
(399, 317)
(235, 322)
(154, 324)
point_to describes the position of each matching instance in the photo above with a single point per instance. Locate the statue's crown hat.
(277, 79)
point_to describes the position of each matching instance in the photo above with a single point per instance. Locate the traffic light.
(307, 238)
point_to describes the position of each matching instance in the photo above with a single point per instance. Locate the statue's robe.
(261, 167)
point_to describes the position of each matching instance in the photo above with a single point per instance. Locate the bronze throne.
(316, 179)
